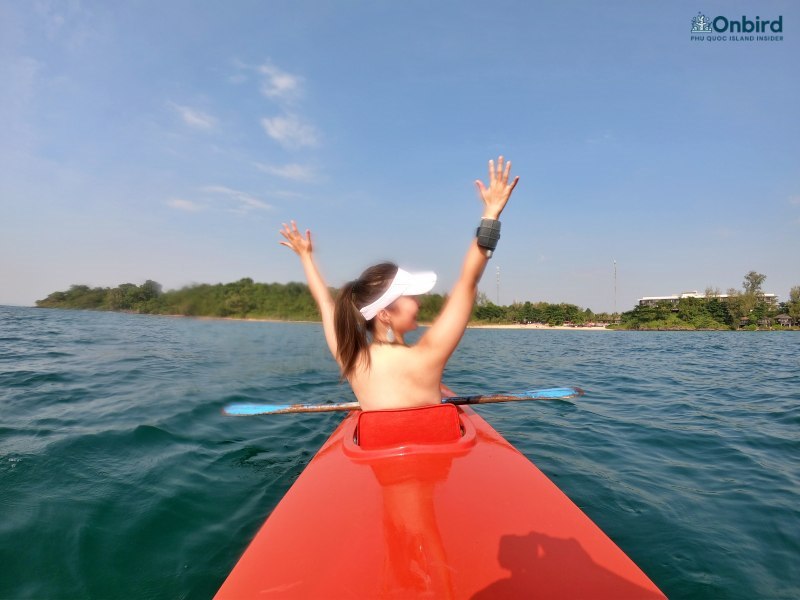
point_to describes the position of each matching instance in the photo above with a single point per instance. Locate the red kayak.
(429, 503)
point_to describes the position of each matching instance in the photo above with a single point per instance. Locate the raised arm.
(442, 338)
(303, 247)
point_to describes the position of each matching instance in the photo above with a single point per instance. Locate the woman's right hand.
(499, 191)
(301, 245)
(295, 241)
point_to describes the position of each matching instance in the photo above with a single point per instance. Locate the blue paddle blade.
(244, 409)
(550, 393)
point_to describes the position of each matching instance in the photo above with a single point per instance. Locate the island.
(749, 308)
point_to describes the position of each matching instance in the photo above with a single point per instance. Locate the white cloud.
(290, 131)
(194, 118)
(52, 20)
(286, 90)
(292, 171)
(278, 84)
(185, 205)
(68, 22)
(606, 137)
(794, 200)
(244, 202)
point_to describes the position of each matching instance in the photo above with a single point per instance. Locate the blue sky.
(169, 140)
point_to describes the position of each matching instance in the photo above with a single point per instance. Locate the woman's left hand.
(496, 195)
(446, 391)
(295, 241)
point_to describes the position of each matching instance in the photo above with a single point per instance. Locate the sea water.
(119, 477)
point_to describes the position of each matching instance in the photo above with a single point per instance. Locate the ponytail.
(351, 331)
(349, 324)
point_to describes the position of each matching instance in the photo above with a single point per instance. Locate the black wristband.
(488, 234)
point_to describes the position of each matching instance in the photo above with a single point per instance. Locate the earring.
(389, 335)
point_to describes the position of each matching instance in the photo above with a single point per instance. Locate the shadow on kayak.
(549, 567)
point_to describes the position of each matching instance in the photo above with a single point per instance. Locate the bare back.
(398, 377)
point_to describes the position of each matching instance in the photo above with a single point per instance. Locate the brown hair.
(349, 324)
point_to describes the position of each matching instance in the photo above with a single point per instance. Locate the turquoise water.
(119, 478)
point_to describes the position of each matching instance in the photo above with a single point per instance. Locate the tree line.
(544, 313)
(289, 301)
(747, 308)
(240, 299)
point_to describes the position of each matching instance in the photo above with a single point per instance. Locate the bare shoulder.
(389, 351)
(399, 358)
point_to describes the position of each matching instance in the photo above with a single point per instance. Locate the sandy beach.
(538, 326)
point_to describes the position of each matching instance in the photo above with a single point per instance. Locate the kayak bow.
(429, 503)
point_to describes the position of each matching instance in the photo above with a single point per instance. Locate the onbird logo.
(745, 29)
(701, 24)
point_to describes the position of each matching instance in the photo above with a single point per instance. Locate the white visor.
(403, 284)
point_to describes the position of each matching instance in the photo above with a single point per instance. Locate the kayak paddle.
(244, 409)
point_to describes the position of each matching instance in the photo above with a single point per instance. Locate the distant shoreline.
(250, 319)
(498, 326)
(537, 327)
(530, 327)
(469, 326)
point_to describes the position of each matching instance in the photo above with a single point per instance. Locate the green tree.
(515, 312)
(690, 309)
(489, 312)
(150, 289)
(793, 305)
(131, 295)
(430, 305)
(752, 283)
(533, 313)
(554, 314)
(717, 310)
(115, 299)
(739, 306)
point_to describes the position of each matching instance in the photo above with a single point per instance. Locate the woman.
(366, 325)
